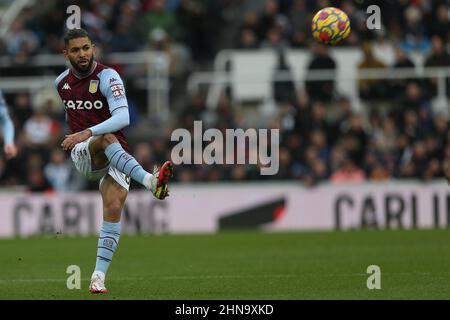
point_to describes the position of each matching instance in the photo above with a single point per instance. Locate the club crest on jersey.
(93, 86)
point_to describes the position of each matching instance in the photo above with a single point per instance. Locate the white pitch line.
(231, 276)
(60, 280)
(160, 277)
(228, 276)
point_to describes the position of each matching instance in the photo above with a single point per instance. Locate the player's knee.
(114, 207)
(108, 139)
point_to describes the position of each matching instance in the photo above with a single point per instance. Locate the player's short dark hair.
(74, 34)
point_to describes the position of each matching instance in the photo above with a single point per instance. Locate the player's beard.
(82, 70)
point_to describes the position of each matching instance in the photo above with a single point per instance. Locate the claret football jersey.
(91, 100)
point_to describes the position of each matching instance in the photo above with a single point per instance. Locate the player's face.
(80, 52)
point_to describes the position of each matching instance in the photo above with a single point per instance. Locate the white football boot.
(98, 283)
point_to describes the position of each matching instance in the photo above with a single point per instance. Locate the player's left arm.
(112, 88)
(8, 130)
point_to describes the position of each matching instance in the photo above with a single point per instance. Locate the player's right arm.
(118, 120)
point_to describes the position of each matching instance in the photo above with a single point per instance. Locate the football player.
(9, 148)
(97, 111)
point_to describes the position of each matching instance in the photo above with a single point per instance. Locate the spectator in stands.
(402, 60)
(300, 21)
(284, 90)
(247, 40)
(159, 17)
(385, 138)
(319, 172)
(144, 154)
(318, 119)
(441, 23)
(294, 142)
(286, 115)
(303, 114)
(397, 86)
(160, 42)
(344, 114)
(322, 90)
(225, 114)
(249, 25)
(285, 162)
(433, 170)
(52, 29)
(128, 14)
(414, 36)
(318, 140)
(348, 173)
(94, 20)
(416, 162)
(20, 43)
(199, 28)
(438, 58)
(194, 110)
(267, 18)
(355, 139)
(406, 116)
(425, 120)
(283, 25)
(414, 97)
(274, 40)
(36, 180)
(371, 89)
(41, 130)
(441, 127)
(21, 110)
(58, 170)
(379, 172)
(124, 39)
(410, 125)
(383, 50)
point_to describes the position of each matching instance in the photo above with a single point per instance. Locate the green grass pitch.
(236, 265)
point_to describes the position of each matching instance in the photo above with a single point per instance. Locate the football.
(330, 26)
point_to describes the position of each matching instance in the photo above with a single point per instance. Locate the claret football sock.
(107, 244)
(127, 164)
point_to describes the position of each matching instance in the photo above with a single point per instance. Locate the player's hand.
(72, 139)
(10, 151)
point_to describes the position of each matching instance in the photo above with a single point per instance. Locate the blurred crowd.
(206, 26)
(406, 139)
